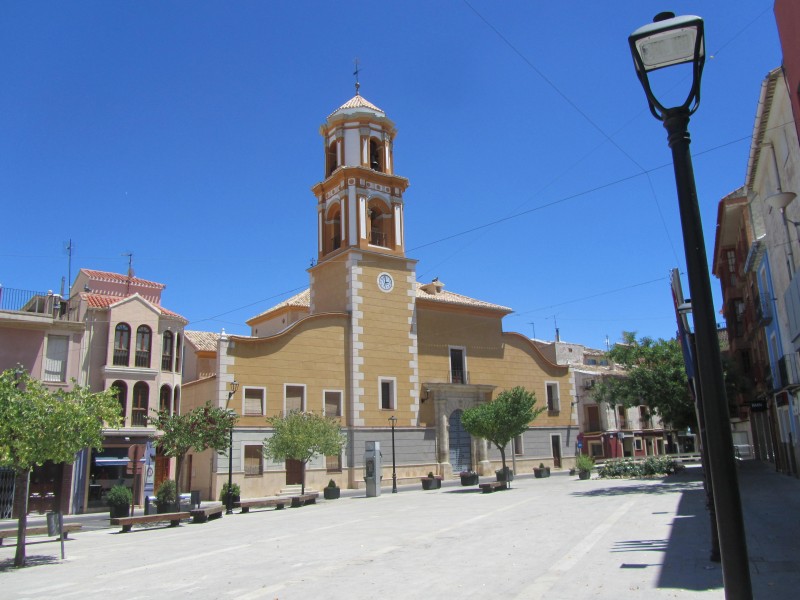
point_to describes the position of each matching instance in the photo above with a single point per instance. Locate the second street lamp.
(668, 41)
(234, 385)
(393, 420)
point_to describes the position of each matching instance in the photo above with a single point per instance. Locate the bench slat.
(38, 530)
(127, 522)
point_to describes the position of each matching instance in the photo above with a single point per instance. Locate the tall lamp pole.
(393, 420)
(234, 385)
(668, 41)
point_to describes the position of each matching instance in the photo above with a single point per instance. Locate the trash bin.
(150, 505)
(52, 524)
(195, 498)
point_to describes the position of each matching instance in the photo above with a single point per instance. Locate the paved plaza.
(556, 538)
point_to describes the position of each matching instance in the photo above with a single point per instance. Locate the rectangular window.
(333, 464)
(295, 398)
(253, 460)
(458, 370)
(593, 418)
(622, 420)
(333, 404)
(595, 449)
(518, 449)
(637, 444)
(553, 404)
(55, 362)
(254, 401)
(387, 393)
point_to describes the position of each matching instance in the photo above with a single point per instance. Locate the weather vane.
(356, 72)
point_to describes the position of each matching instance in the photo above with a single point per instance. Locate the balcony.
(788, 371)
(459, 376)
(763, 312)
(27, 302)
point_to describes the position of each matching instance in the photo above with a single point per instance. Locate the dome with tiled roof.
(357, 104)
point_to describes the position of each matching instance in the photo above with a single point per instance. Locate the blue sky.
(186, 133)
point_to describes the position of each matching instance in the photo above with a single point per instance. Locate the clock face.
(385, 282)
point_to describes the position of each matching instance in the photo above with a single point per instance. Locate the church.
(391, 357)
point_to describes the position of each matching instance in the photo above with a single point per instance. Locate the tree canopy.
(655, 376)
(201, 428)
(301, 436)
(39, 425)
(502, 419)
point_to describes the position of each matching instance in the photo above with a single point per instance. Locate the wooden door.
(294, 472)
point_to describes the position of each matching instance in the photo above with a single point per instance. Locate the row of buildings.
(756, 259)
(366, 343)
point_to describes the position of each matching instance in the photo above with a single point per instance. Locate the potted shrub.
(331, 491)
(541, 471)
(236, 492)
(584, 464)
(469, 477)
(505, 474)
(431, 482)
(119, 500)
(167, 497)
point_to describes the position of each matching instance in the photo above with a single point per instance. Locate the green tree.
(39, 425)
(201, 428)
(655, 376)
(301, 436)
(502, 419)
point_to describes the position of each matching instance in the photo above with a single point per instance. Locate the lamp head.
(668, 41)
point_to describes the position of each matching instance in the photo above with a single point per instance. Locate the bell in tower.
(360, 201)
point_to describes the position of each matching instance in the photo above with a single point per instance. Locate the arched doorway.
(460, 444)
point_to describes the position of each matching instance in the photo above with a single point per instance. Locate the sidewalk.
(556, 538)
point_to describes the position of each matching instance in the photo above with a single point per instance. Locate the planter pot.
(541, 473)
(331, 493)
(117, 512)
(469, 479)
(168, 507)
(584, 474)
(507, 476)
(429, 483)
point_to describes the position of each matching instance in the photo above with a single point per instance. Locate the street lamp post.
(393, 420)
(234, 385)
(668, 41)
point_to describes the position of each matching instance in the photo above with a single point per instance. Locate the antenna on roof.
(68, 248)
(130, 271)
(356, 72)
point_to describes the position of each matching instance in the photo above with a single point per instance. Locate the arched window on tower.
(331, 162)
(143, 339)
(376, 154)
(122, 398)
(141, 400)
(165, 400)
(333, 229)
(380, 224)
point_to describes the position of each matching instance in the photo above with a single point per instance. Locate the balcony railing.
(40, 303)
(121, 357)
(139, 417)
(143, 358)
(378, 238)
(459, 376)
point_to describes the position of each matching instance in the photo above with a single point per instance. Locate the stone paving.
(556, 538)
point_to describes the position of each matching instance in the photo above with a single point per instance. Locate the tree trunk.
(178, 470)
(303, 478)
(22, 483)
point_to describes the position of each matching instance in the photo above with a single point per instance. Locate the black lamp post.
(668, 41)
(234, 385)
(393, 420)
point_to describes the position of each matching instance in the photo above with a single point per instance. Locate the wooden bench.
(304, 499)
(276, 501)
(174, 519)
(38, 530)
(207, 513)
(491, 486)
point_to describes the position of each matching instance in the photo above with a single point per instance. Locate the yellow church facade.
(367, 342)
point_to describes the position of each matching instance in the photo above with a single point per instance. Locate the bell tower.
(360, 201)
(362, 269)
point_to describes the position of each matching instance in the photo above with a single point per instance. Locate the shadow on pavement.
(30, 561)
